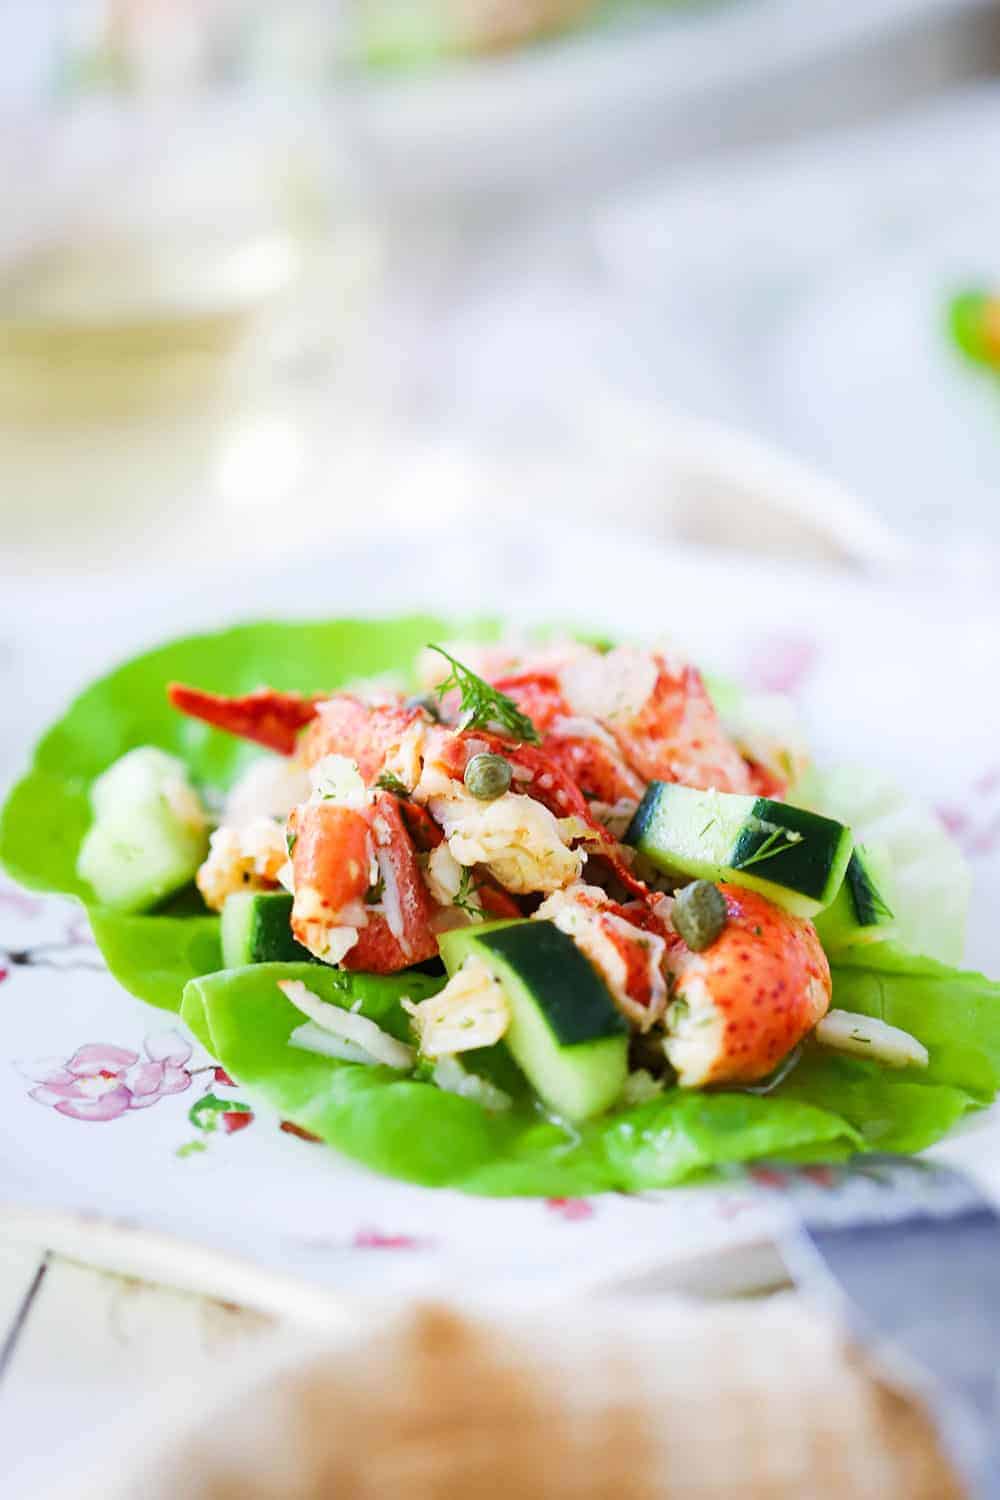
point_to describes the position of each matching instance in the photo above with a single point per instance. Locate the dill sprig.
(387, 782)
(463, 896)
(880, 905)
(778, 841)
(482, 706)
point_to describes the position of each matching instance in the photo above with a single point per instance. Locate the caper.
(699, 914)
(487, 776)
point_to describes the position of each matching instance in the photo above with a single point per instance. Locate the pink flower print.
(101, 1082)
(14, 900)
(954, 821)
(164, 1073)
(376, 1239)
(573, 1210)
(975, 823)
(78, 933)
(987, 783)
(782, 663)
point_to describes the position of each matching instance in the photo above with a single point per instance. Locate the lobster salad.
(542, 917)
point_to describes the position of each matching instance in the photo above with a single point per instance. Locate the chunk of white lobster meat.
(516, 838)
(628, 956)
(471, 1011)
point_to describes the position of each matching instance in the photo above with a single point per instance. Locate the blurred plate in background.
(614, 99)
(803, 292)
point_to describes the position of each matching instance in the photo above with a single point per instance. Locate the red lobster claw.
(267, 717)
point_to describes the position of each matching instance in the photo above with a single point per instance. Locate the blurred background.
(275, 275)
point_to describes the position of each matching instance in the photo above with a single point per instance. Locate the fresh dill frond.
(880, 906)
(463, 896)
(483, 706)
(778, 841)
(387, 782)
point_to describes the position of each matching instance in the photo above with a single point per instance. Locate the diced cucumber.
(860, 911)
(565, 1031)
(149, 834)
(135, 779)
(794, 857)
(256, 929)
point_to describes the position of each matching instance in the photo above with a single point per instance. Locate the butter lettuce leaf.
(47, 813)
(827, 1108)
(412, 1130)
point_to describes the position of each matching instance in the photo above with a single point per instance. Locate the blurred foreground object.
(633, 1400)
(838, 349)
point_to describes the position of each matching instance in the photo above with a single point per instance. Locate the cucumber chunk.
(256, 929)
(565, 1030)
(860, 912)
(794, 857)
(149, 834)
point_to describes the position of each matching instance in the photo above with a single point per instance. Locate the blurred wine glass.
(182, 258)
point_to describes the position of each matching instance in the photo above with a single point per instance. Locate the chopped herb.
(463, 896)
(778, 841)
(757, 930)
(677, 1014)
(387, 782)
(707, 826)
(880, 907)
(483, 706)
(375, 892)
(291, 839)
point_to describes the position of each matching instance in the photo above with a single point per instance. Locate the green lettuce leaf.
(413, 1130)
(829, 1105)
(931, 879)
(954, 1012)
(48, 811)
(154, 957)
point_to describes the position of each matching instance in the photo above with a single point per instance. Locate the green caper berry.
(699, 914)
(487, 776)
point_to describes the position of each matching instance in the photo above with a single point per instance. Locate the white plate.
(860, 660)
(652, 85)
